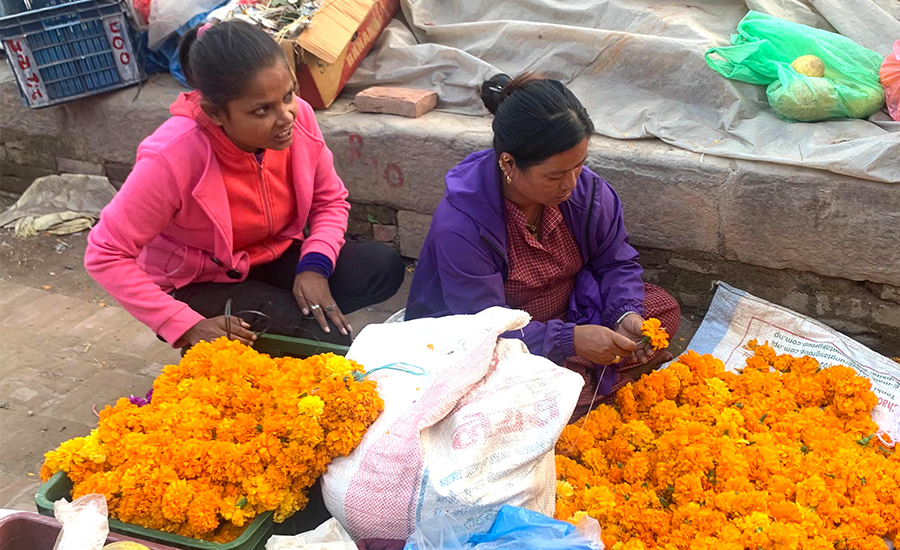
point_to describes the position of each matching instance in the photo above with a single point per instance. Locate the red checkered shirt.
(541, 273)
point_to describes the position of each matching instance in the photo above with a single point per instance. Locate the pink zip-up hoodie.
(170, 224)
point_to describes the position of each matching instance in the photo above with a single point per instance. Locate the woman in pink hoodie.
(236, 198)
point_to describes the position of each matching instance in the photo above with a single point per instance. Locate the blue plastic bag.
(515, 528)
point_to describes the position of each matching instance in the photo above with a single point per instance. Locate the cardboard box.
(340, 35)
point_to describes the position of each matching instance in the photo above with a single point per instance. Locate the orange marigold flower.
(229, 433)
(778, 457)
(654, 333)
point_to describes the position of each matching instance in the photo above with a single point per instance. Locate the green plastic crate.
(254, 536)
(280, 346)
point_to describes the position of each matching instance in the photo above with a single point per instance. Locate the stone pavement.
(61, 356)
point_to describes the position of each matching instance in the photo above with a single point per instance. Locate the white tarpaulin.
(736, 317)
(639, 68)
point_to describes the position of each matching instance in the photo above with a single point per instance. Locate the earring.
(508, 179)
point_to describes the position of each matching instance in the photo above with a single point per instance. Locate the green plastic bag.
(763, 51)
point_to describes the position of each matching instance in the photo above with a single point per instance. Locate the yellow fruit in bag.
(806, 99)
(809, 65)
(126, 545)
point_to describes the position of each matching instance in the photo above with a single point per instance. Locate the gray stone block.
(49, 121)
(784, 217)
(108, 127)
(13, 184)
(887, 315)
(113, 125)
(670, 197)
(412, 228)
(385, 233)
(365, 212)
(117, 173)
(20, 177)
(399, 162)
(71, 166)
(15, 151)
(885, 292)
(38, 150)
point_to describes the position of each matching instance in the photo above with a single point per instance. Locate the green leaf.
(862, 481)
(762, 419)
(804, 449)
(865, 441)
(739, 405)
(241, 502)
(372, 220)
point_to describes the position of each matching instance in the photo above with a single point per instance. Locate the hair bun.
(492, 91)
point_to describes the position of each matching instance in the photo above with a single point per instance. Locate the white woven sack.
(474, 432)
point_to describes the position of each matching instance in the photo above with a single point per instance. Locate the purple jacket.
(464, 264)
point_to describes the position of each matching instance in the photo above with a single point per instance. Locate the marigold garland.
(228, 434)
(654, 333)
(781, 456)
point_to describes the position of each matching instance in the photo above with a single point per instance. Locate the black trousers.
(364, 274)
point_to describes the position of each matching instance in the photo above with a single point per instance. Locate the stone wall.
(823, 244)
(868, 312)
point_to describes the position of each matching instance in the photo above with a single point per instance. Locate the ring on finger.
(330, 308)
(314, 307)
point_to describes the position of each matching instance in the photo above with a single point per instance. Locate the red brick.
(396, 101)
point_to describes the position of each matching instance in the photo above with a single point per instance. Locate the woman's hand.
(314, 296)
(630, 327)
(211, 329)
(601, 345)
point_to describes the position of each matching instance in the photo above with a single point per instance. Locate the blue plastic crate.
(9, 7)
(72, 50)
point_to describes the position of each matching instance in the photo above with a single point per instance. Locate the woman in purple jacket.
(526, 225)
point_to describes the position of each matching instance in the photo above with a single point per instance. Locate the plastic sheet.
(890, 80)
(638, 66)
(84, 523)
(514, 529)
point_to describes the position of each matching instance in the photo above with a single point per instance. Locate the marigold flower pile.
(781, 456)
(228, 434)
